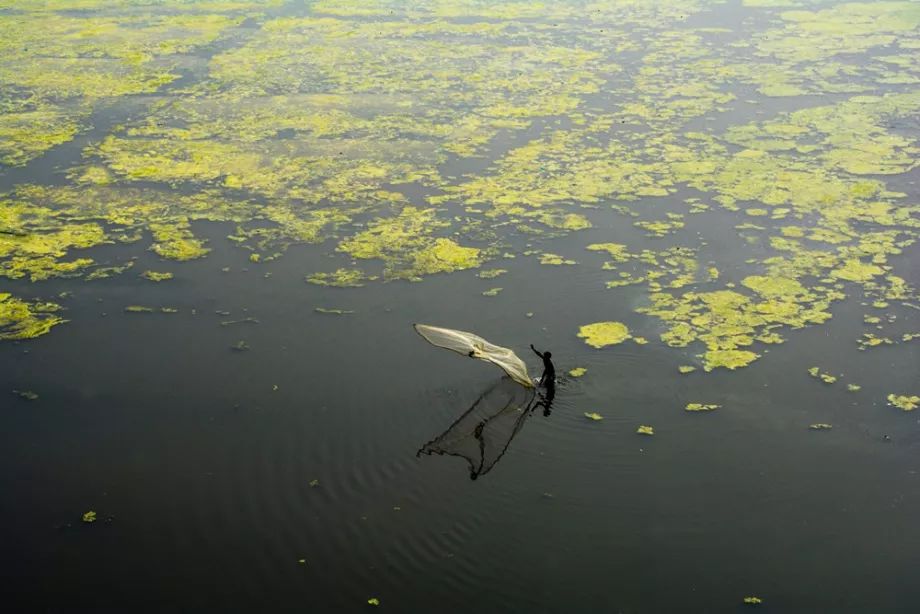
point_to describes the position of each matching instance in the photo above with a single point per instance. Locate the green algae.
(309, 129)
(827, 378)
(333, 311)
(555, 260)
(492, 292)
(701, 407)
(684, 369)
(105, 272)
(89, 517)
(728, 359)
(645, 430)
(406, 245)
(577, 371)
(156, 276)
(491, 273)
(20, 319)
(905, 402)
(342, 278)
(593, 416)
(139, 309)
(602, 334)
(63, 65)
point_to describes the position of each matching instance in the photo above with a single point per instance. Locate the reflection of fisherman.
(549, 371)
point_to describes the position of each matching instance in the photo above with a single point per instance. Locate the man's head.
(548, 354)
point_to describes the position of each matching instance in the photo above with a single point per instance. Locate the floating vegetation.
(602, 334)
(907, 403)
(246, 320)
(854, 387)
(20, 319)
(577, 371)
(240, 346)
(645, 430)
(333, 311)
(555, 260)
(820, 426)
(321, 129)
(89, 517)
(593, 416)
(342, 278)
(28, 395)
(752, 600)
(373, 601)
(684, 369)
(155, 276)
(491, 273)
(827, 378)
(139, 309)
(492, 292)
(701, 407)
(104, 272)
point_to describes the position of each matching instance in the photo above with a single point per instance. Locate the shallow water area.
(222, 219)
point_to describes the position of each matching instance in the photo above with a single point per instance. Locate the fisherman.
(549, 371)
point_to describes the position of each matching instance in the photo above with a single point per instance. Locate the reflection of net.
(483, 433)
(475, 346)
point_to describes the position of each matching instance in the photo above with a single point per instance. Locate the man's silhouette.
(549, 371)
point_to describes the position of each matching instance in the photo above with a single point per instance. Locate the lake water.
(747, 170)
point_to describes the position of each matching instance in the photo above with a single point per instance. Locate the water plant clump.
(20, 319)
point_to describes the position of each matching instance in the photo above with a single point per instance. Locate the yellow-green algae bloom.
(701, 407)
(602, 334)
(907, 403)
(827, 378)
(20, 319)
(156, 275)
(303, 129)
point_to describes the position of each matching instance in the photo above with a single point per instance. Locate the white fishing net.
(475, 346)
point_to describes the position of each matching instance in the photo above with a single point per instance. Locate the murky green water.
(219, 220)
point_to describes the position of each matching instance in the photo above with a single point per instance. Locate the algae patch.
(701, 407)
(20, 319)
(602, 334)
(905, 402)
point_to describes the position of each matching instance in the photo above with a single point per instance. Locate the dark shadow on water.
(484, 432)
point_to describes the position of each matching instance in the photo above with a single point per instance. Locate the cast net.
(475, 346)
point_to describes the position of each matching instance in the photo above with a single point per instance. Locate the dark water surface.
(214, 472)
(206, 469)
